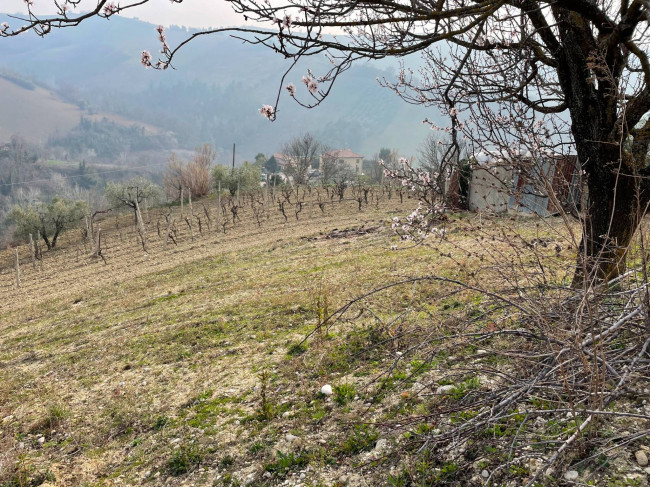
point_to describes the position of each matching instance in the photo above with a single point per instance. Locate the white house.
(351, 160)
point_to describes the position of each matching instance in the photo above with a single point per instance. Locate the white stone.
(571, 475)
(286, 414)
(41, 440)
(445, 389)
(291, 437)
(326, 389)
(485, 474)
(641, 458)
(382, 446)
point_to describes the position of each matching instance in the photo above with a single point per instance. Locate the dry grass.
(181, 366)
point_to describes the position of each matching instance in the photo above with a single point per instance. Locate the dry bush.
(193, 176)
(501, 367)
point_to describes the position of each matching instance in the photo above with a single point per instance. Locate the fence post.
(141, 227)
(97, 241)
(17, 269)
(32, 251)
(38, 247)
(218, 206)
(181, 202)
(189, 194)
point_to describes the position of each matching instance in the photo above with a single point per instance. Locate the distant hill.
(38, 114)
(215, 91)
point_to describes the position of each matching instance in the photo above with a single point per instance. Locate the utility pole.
(233, 159)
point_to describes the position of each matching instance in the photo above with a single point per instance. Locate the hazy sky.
(190, 13)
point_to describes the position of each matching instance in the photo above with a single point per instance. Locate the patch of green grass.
(226, 462)
(285, 463)
(344, 393)
(183, 460)
(296, 349)
(160, 423)
(204, 411)
(463, 388)
(362, 438)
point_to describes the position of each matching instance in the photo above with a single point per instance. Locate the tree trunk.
(614, 211)
(46, 240)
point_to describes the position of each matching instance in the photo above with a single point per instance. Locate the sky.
(190, 13)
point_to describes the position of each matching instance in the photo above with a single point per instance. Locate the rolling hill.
(216, 90)
(39, 114)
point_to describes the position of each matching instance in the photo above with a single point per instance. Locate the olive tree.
(131, 194)
(48, 219)
(247, 177)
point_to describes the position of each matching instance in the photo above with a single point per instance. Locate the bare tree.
(513, 76)
(332, 168)
(302, 152)
(193, 176)
(174, 179)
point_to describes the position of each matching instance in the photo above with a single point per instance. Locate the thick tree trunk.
(45, 239)
(616, 201)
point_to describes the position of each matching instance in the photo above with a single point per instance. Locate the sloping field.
(128, 368)
(38, 114)
(187, 366)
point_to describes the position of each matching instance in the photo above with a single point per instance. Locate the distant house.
(351, 160)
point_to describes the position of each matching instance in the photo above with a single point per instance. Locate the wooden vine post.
(17, 269)
(181, 202)
(218, 205)
(32, 251)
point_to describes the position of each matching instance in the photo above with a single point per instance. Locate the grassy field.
(187, 366)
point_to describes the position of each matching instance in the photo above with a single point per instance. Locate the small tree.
(248, 176)
(131, 194)
(50, 219)
(303, 152)
(260, 160)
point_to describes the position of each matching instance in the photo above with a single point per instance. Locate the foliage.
(17, 161)
(184, 459)
(50, 219)
(285, 463)
(344, 393)
(247, 176)
(260, 160)
(132, 193)
(108, 139)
